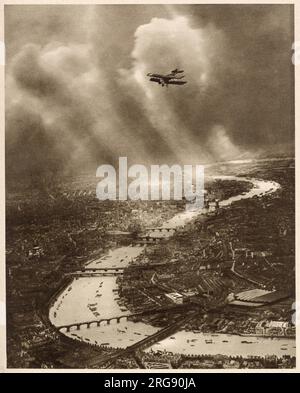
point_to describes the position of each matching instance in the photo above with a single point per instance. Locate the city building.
(175, 297)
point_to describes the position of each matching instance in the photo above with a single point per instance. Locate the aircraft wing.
(158, 80)
(176, 82)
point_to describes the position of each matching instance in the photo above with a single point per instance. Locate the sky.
(77, 94)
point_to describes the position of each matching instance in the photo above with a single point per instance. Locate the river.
(90, 298)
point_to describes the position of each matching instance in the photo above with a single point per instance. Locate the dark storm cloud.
(77, 92)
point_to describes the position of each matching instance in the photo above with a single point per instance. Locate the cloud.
(56, 84)
(77, 93)
(184, 116)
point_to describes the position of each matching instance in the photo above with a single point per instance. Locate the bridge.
(88, 324)
(142, 344)
(106, 321)
(78, 193)
(96, 274)
(161, 334)
(99, 271)
(162, 229)
(153, 241)
(149, 239)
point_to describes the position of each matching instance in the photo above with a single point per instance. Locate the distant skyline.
(77, 93)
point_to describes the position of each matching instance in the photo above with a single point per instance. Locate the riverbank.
(112, 335)
(41, 250)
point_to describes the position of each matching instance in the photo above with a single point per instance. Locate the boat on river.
(110, 289)
(209, 341)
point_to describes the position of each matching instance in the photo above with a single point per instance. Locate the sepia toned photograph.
(150, 187)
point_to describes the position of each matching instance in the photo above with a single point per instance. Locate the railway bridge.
(142, 344)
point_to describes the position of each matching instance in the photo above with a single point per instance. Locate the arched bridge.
(88, 324)
(150, 239)
(107, 321)
(162, 229)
